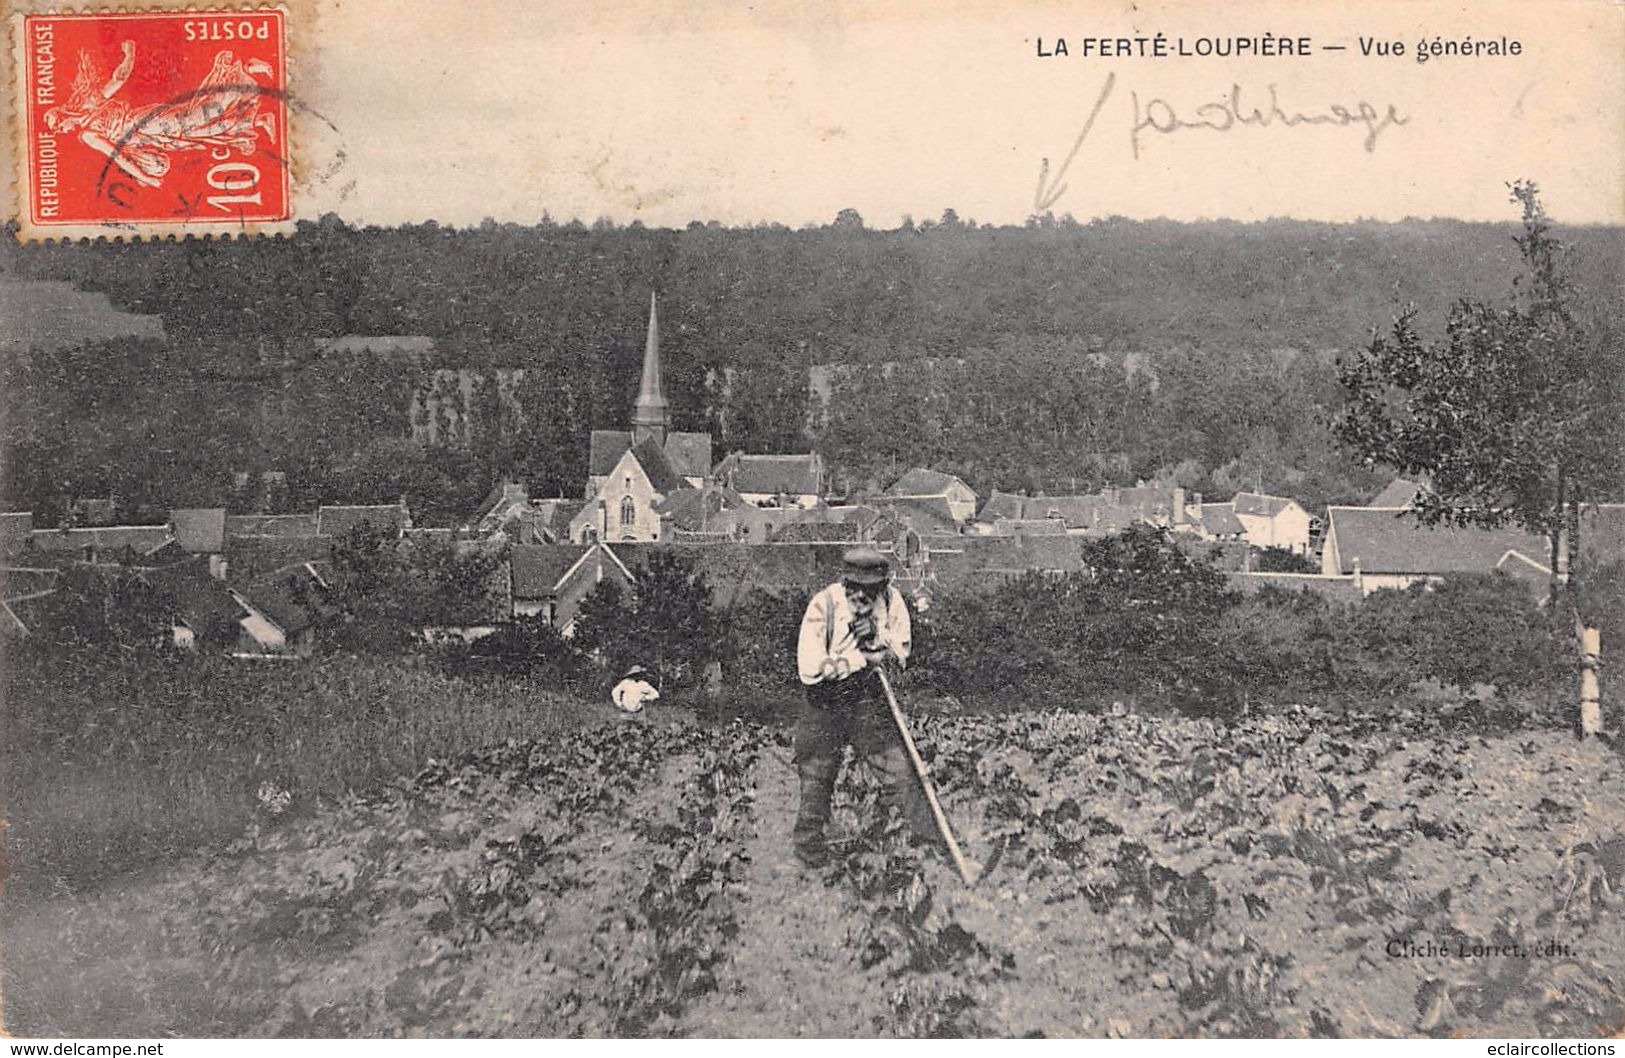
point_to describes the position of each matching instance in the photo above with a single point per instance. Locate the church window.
(629, 511)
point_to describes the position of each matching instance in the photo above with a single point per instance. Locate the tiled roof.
(1029, 526)
(200, 530)
(538, 567)
(921, 481)
(1003, 505)
(248, 557)
(503, 495)
(689, 453)
(270, 525)
(1078, 512)
(1254, 503)
(1398, 493)
(686, 506)
(926, 514)
(604, 450)
(1007, 555)
(199, 599)
(340, 520)
(1219, 519)
(1389, 541)
(108, 540)
(817, 533)
(796, 475)
(289, 596)
(662, 475)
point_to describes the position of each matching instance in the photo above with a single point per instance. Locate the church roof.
(662, 475)
(689, 453)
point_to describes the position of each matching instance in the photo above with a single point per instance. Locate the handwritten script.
(1239, 108)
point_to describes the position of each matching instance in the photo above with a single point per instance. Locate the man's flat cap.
(865, 565)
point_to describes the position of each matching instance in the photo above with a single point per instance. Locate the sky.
(780, 111)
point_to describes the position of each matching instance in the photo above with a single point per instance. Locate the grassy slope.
(110, 767)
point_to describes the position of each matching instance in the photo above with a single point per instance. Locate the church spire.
(651, 417)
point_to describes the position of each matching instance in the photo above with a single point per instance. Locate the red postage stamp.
(157, 120)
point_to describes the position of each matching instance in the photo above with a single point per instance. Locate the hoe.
(966, 874)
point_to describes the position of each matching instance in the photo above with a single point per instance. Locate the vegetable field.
(1275, 876)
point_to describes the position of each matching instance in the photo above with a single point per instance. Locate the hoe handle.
(925, 783)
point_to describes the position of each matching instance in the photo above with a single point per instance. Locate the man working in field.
(851, 628)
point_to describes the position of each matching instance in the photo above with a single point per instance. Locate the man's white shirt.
(631, 694)
(830, 615)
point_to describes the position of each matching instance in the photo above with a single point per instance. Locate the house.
(507, 501)
(700, 511)
(922, 483)
(281, 611)
(127, 544)
(1029, 527)
(551, 580)
(775, 480)
(1272, 521)
(201, 531)
(926, 516)
(1081, 515)
(626, 505)
(755, 525)
(734, 570)
(1218, 521)
(204, 612)
(1389, 548)
(973, 560)
(689, 454)
(391, 519)
(277, 525)
(1149, 504)
(1002, 505)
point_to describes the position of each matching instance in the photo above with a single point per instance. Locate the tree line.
(1066, 355)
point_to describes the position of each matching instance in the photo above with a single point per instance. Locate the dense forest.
(1054, 356)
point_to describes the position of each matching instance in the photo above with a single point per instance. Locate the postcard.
(649, 519)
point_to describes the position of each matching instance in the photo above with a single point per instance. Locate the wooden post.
(1590, 693)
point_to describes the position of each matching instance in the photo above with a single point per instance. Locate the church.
(630, 473)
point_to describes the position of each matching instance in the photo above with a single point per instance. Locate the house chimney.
(1196, 505)
(1179, 517)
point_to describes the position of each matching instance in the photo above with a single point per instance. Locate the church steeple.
(651, 416)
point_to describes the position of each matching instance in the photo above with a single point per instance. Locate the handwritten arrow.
(1043, 199)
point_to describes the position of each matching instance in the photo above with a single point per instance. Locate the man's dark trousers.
(853, 711)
